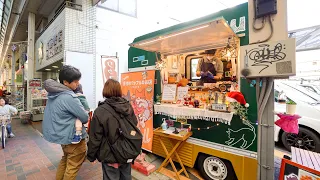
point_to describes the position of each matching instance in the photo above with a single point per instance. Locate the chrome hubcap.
(215, 168)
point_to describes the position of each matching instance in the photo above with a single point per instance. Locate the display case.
(38, 98)
(16, 98)
(19, 97)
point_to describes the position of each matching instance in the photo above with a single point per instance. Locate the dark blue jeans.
(9, 129)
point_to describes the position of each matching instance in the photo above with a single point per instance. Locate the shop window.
(127, 7)
(193, 69)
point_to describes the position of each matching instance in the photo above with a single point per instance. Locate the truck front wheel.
(214, 168)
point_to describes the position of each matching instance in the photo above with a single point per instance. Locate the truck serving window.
(193, 69)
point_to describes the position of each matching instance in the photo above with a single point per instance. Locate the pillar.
(13, 69)
(30, 56)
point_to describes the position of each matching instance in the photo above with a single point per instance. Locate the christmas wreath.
(239, 104)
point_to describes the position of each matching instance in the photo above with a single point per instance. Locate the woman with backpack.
(114, 139)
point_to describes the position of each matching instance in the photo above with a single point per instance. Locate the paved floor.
(29, 156)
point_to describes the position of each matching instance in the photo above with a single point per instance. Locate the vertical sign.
(110, 68)
(138, 88)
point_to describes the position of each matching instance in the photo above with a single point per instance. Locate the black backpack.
(128, 146)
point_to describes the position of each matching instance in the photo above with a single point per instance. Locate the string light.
(205, 128)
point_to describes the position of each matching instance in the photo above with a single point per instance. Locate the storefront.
(65, 40)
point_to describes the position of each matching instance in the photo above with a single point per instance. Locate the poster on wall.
(138, 88)
(110, 68)
(34, 83)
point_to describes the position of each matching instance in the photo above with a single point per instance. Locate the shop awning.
(211, 34)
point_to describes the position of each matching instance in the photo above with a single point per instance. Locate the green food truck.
(222, 146)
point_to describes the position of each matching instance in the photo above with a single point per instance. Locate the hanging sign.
(138, 88)
(35, 83)
(110, 68)
(14, 48)
(54, 45)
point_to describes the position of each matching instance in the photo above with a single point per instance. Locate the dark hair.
(112, 88)
(69, 74)
(78, 89)
(210, 51)
(6, 100)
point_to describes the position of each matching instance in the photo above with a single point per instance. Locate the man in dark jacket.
(62, 110)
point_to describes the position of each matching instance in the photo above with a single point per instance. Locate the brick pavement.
(29, 156)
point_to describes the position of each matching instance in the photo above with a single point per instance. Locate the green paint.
(19, 78)
(217, 134)
(135, 53)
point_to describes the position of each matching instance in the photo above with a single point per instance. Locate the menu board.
(293, 171)
(181, 92)
(169, 92)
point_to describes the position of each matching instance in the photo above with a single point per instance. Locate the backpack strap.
(116, 116)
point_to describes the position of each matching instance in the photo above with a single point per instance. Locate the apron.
(205, 66)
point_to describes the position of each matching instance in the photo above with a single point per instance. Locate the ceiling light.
(48, 69)
(55, 66)
(166, 37)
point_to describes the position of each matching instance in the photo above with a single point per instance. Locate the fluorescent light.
(55, 66)
(48, 69)
(166, 37)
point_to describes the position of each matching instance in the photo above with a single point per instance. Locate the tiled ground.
(29, 156)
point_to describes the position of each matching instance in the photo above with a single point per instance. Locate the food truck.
(194, 66)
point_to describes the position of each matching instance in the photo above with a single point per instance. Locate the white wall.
(85, 67)
(80, 39)
(115, 31)
(80, 29)
(279, 21)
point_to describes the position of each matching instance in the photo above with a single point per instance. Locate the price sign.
(219, 107)
(182, 91)
(169, 92)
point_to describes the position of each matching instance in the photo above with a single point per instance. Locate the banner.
(110, 68)
(138, 88)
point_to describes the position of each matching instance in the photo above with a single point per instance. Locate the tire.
(3, 137)
(221, 169)
(306, 139)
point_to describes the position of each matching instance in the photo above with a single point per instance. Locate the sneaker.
(76, 139)
(11, 135)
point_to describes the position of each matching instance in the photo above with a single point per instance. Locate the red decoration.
(187, 100)
(143, 166)
(236, 96)
(288, 123)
